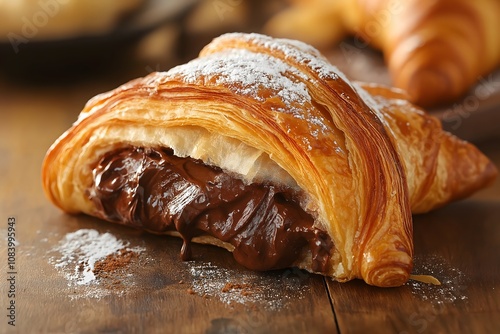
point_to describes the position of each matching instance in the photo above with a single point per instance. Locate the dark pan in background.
(44, 59)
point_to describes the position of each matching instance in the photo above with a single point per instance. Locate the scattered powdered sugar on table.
(453, 286)
(80, 251)
(269, 290)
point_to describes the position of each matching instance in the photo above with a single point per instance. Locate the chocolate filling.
(150, 188)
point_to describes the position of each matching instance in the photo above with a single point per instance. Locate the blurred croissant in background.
(434, 49)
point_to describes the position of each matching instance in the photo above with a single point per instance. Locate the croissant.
(435, 50)
(264, 148)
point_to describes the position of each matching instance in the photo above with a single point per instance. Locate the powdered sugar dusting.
(267, 290)
(78, 253)
(267, 77)
(258, 76)
(300, 52)
(246, 73)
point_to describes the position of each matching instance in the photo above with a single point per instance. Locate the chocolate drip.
(154, 190)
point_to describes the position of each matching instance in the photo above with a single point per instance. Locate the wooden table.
(158, 293)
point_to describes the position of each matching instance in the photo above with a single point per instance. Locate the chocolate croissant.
(435, 49)
(264, 148)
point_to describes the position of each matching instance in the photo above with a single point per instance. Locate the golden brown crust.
(284, 114)
(436, 162)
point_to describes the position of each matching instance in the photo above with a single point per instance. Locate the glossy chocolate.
(154, 190)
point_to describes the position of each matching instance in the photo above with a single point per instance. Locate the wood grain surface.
(158, 293)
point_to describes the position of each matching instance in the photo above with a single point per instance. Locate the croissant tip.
(490, 174)
(392, 269)
(388, 277)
